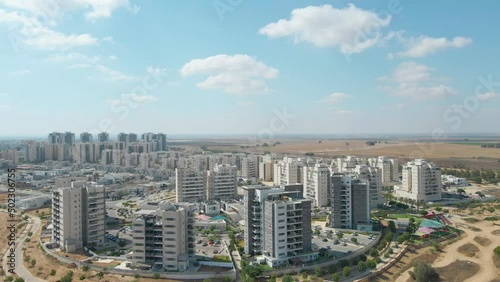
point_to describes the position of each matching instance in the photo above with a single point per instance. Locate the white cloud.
(113, 58)
(125, 98)
(335, 98)
(53, 8)
(414, 81)
(20, 72)
(424, 45)
(351, 29)
(31, 32)
(115, 75)
(4, 94)
(246, 104)
(233, 74)
(486, 96)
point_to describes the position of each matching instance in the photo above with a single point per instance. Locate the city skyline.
(119, 66)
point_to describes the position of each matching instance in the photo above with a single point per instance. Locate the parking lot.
(204, 248)
(344, 246)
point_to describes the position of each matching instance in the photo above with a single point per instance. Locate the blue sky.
(235, 66)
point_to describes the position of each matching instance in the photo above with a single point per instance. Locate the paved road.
(21, 270)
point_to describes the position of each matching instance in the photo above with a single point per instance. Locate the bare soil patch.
(458, 271)
(483, 241)
(468, 249)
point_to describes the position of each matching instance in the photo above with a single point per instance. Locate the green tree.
(424, 272)
(100, 275)
(335, 277)
(287, 278)
(9, 278)
(317, 232)
(436, 246)
(371, 264)
(82, 277)
(362, 266)
(68, 277)
(272, 279)
(374, 252)
(354, 240)
(346, 271)
(19, 279)
(156, 276)
(496, 251)
(85, 268)
(340, 234)
(318, 271)
(33, 262)
(52, 272)
(304, 274)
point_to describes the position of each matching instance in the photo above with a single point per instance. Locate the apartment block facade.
(421, 181)
(190, 185)
(317, 184)
(164, 238)
(78, 215)
(350, 202)
(277, 224)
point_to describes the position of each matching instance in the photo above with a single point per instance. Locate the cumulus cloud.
(422, 46)
(93, 9)
(487, 96)
(351, 29)
(335, 98)
(415, 81)
(233, 74)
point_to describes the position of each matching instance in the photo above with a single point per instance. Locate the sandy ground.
(450, 253)
(488, 271)
(443, 153)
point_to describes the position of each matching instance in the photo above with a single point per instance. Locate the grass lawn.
(222, 258)
(102, 251)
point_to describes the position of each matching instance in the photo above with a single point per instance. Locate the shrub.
(361, 266)
(371, 264)
(335, 277)
(346, 271)
(52, 272)
(423, 272)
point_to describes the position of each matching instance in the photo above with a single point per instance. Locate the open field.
(446, 154)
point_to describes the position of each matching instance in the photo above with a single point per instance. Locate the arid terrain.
(468, 154)
(469, 258)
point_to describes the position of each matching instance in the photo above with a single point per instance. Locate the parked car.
(344, 244)
(355, 234)
(325, 240)
(336, 242)
(204, 244)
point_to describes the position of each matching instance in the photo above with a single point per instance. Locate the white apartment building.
(288, 171)
(164, 237)
(373, 175)
(222, 182)
(421, 181)
(266, 171)
(316, 184)
(453, 180)
(389, 168)
(250, 167)
(78, 214)
(190, 185)
(277, 224)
